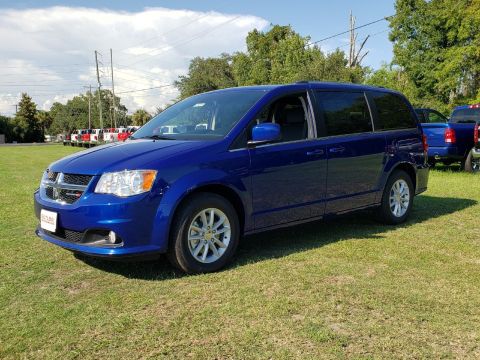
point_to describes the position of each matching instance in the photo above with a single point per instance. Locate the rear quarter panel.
(405, 147)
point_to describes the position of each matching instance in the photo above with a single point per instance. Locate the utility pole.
(113, 91)
(89, 105)
(99, 91)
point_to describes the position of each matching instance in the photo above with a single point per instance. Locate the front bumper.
(132, 219)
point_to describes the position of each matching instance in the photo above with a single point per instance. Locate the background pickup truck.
(455, 139)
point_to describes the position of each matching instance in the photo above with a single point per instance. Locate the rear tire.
(397, 199)
(470, 164)
(205, 234)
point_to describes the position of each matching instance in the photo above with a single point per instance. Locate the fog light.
(112, 237)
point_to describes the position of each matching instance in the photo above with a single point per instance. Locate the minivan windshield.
(471, 115)
(205, 116)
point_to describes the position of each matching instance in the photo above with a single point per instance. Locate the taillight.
(450, 137)
(476, 133)
(424, 143)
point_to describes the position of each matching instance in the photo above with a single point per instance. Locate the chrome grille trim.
(58, 187)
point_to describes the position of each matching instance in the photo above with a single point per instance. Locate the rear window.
(435, 117)
(344, 112)
(393, 112)
(465, 116)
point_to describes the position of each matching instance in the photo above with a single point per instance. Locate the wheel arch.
(409, 169)
(219, 189)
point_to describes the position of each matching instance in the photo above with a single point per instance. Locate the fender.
(400, 159)
(184, 186)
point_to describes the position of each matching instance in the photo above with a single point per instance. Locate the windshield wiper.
(153, 137)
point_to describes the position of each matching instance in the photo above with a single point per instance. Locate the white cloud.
(49, 52)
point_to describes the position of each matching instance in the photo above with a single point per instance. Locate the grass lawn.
(346, 288)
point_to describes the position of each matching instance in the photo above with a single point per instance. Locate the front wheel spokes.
(209, 235)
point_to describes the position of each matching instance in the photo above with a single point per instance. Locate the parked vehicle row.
(454, 140)
(216, 166)
(92, 137)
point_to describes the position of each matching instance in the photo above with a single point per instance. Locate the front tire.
(397, 199)
(205, 234)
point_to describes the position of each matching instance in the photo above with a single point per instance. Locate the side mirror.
(265, 133)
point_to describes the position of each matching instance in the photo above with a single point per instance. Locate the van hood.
(131, 154)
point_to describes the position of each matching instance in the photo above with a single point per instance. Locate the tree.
(279, 55)
(331, 67)
(140, 117)
(44, 120)
(26, 127)
(6, 128)
(74, 114)
(275, 56)
(436, 44)
(158, 110)
(206, 74)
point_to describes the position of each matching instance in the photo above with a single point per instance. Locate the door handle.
(336, 150)
(317, 152)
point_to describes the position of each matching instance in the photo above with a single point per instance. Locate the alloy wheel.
(399, 198)
(209, 235)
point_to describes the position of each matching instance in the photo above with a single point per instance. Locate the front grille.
(68, 235)
(64, 188)
(52, 176)
(49, 192)
(76, 179)
(69, 196)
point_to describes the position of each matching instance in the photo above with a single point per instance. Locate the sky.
(48, 46)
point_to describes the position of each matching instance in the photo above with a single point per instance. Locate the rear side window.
(344, 112)
(393, 112)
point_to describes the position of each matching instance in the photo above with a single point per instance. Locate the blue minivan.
(219, 165)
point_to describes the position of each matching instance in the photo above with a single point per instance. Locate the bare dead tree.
(355, 57)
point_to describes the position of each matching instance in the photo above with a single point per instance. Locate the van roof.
(313, 85)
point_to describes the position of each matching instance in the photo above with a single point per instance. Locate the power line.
(375, 34)
(165, 33)
(150, 88)
(347, 31)
(154, 53)
(176, 45)
(148, 75)
(45, 66)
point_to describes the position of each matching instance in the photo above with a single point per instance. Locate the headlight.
(126, 183)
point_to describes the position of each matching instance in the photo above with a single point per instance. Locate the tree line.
(31, 125)
(435, 64)
(436, 58)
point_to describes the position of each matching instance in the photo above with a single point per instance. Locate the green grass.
(346, 288)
